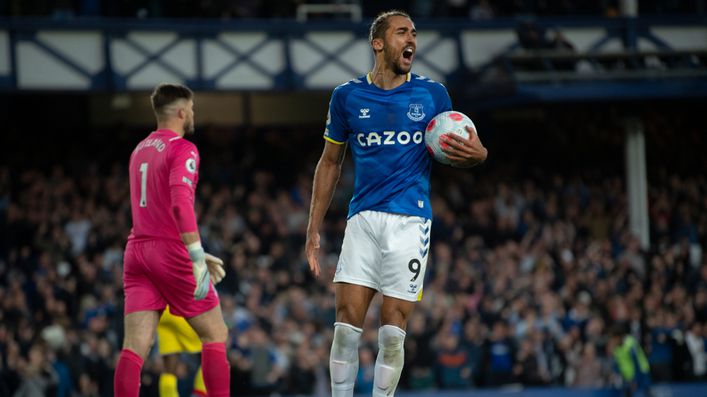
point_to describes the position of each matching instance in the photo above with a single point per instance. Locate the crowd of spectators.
(528, 273)
(250, 9)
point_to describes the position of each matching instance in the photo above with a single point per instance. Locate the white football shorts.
(386, 252)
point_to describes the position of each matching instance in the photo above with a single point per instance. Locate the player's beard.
(189, 126)
(393, 61)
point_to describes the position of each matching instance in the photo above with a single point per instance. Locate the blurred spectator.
(696, 344)
(533, 38)
(481, 11)
(526, 369)
(422, 8)
(302, 375)
(473, 342)
(37, 374)
(286, 9)
(499, 356)
(266, 365)
(366, 367)
(588, 371)
(418, 371)
(630, 361)
(452, 363)
(661, 347)
(63, 10)
(55, 339)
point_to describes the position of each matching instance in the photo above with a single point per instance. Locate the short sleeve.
(442, 100)
(184, 167)
(336, 127)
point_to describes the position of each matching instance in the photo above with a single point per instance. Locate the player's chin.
(404, 67)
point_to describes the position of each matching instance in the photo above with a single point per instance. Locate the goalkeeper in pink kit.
(164, 260)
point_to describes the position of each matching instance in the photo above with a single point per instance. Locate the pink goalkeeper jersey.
(160, 161)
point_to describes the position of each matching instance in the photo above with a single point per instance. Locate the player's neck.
(177, 129)
(386, 79)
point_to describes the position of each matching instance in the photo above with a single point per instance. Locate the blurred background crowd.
(533, 277)
(245, 9)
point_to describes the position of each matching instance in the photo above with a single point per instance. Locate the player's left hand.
(201, 276)
(216, 268)
(199, 269)
(464, 152)
(311, 249)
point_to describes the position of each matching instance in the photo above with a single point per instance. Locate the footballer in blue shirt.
(382, 116)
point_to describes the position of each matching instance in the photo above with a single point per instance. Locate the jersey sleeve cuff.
(333, 141)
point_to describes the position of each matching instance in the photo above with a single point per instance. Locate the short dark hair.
(380, 23)
(166, 94)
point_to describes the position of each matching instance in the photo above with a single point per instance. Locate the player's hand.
(216, 268)
(311, 249)
(199, 269)
(464, 152)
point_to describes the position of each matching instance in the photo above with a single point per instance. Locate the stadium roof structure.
(491, 63)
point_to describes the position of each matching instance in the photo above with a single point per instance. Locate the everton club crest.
(416, 112)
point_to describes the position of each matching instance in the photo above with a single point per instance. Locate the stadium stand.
(532, 266)
(226, 9)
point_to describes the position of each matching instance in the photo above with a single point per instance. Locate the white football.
(451, 122)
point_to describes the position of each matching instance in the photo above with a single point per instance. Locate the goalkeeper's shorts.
(159, 272)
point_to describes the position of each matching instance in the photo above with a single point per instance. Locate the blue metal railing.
(25, 46)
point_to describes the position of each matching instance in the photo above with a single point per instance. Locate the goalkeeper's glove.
(216, 269)
(200, 270)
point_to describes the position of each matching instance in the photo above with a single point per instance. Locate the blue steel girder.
(32, 37)
(155, 57)
(330, 56)
(20, 30)
(660, 43)
(420, 56)
(241, 57)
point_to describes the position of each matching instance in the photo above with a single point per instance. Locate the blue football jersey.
(385, 130)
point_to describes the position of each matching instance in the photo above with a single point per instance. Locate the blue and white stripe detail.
(424, 239)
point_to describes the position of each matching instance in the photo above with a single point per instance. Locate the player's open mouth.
(408, 53)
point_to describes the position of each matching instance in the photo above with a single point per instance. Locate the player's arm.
(465, 152)
(182, 184)
(326, 177)
(183, 211)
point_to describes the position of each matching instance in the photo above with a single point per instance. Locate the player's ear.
(182, 113)
(377, 44)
